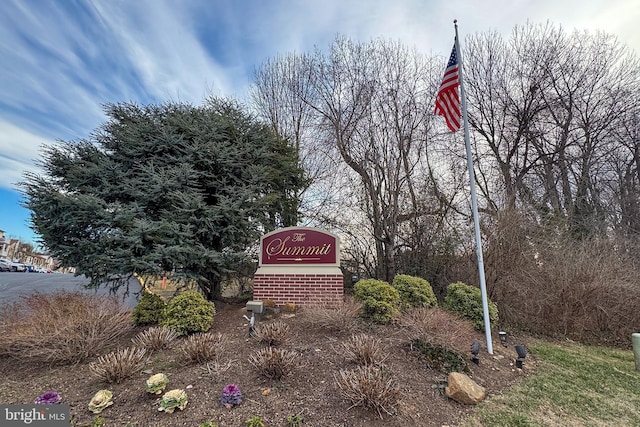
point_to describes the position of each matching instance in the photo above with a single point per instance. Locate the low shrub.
(118, 365)
(438, 327)
(414, 291)
(274, 363)
(342, 318)
(466, 300)
(155, 338)
(188, 313)
(63, 327)
(289, 307)
(149, 309)
(370, 387)
(269, 303)
(199, 348)
(380, 300)
(440, 358)
(363, 350)
(274, 333)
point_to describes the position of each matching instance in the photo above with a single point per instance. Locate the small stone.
(266, 392)
(189, 386)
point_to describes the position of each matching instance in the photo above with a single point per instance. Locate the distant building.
(3, 245)
(23, 252)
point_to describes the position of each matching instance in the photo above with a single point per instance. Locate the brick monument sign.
(299, 265)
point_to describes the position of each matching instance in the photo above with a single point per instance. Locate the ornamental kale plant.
(100, 401)
(173, 399)
(231, 395)
(157, 383)
(48, 398)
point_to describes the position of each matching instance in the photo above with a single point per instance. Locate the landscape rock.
(464, 390)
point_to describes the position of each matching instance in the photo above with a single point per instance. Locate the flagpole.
(474, 203)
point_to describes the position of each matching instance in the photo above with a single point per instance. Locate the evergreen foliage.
(188, 313)
(380, 300)
(164, 188)
(149, 309)
(414, 291)
(466, 300)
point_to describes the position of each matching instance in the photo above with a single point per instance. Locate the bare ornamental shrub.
(369, 387)
(199, 348)
(567, 288)
(343, 318)
(438, 327)
(363, 350)
(59, 328)
(274, 363)
(118, 365)
(155, 338)
(272, 334)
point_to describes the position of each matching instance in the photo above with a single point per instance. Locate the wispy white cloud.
(63, 60)
(160, 44)
(19, 150)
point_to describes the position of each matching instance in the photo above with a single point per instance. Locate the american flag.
(448, 98)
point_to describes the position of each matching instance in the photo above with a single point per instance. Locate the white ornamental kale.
(173, 399)
(100, 400)
(157, 383)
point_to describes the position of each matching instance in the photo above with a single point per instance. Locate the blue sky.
(63, 59)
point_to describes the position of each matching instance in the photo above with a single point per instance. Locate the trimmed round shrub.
(466, 300)
(188, 313)
(414, 291)
(380, 300)
(149, 309)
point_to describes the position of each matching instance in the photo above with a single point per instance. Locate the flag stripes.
(448, 98)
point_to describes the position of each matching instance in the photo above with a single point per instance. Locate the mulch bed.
(310, 391)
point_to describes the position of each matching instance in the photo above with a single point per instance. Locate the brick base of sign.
(301, 289)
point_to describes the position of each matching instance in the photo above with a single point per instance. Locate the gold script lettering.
(279, 247)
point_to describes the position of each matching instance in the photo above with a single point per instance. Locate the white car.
(14, 266)
(18, 266)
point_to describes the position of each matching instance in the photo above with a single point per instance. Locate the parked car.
(13, 266)
(19, 267)
(5, 265)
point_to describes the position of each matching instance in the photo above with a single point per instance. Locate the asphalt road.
(12, 285)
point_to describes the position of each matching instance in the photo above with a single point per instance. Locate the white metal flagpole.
(474, 202)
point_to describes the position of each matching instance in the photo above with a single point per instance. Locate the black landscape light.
(503, 338)
(522, 353)
(475, 350)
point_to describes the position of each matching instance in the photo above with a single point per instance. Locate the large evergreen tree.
(160, 188)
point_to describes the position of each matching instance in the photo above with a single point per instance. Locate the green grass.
(574, 385)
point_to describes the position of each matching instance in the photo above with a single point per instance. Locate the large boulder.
(463, 389)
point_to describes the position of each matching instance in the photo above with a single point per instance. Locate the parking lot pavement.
(12, 285)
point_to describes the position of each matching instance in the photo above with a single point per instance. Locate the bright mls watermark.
(34, 415)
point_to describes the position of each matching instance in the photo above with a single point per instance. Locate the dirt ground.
(310, 391)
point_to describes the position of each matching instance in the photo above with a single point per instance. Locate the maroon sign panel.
(299, 246)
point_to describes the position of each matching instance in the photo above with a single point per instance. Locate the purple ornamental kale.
(231, 395)
(48, 398)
